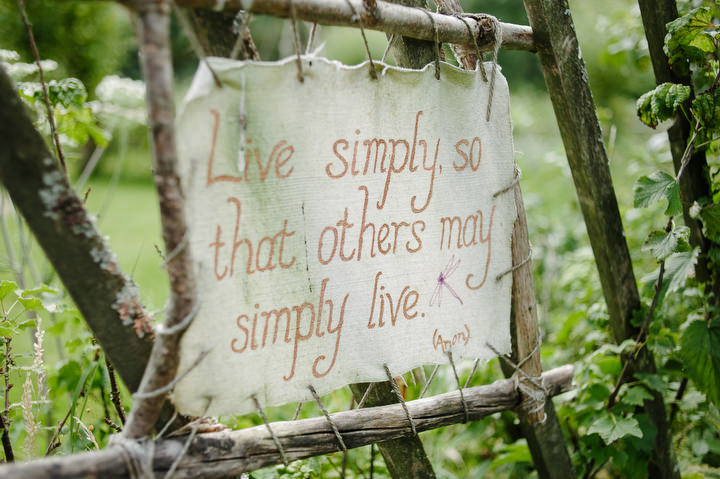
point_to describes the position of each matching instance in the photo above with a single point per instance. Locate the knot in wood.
(486, 26)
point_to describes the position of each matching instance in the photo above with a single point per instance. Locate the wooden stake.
(230, 453)
(541, 429)
(154, 28)
(566, 80)
(392, 18)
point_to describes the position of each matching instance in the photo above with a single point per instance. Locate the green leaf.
(31, 304)
(7, 330)
(700, 350)
(7, 287)
(710, 216)
(39, 290)
(706, 108)
(661, 103)
(662, 244)
(611, 427)
(635, 396)
(689, 38)
(656, 187)
(678, 268)
(653, 381)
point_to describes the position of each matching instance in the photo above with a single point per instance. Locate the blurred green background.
(93, 40)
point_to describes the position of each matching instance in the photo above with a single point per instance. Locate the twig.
(52, 444)
(642, 334)
(689, 149)
(115, 391)
(678, 396)
(589, 468)
(7, 445)
(112, 424)
(189, 440)
(244, 48)
(6, 375)
(48, 106)
(160, 373)
(194, 41)
(598, 469)
(387, 17)
(372, 460)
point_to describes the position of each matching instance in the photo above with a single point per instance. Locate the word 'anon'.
(255, 329)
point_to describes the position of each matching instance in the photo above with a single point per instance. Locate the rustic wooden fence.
(149, 367)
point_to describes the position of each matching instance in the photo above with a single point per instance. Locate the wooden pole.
(541, 429)
(566, 80)
(386, 17)
(405, 457)
(230, 453)
(154, 36)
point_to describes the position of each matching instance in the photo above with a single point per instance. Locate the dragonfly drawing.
(451, 267)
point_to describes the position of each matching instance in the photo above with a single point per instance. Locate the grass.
(128, 215)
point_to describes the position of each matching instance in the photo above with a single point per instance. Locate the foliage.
(691, 42)
(700, 351)
(68, 97)
(75, 378)
(683, 332)
(89, 40)
(661, 103)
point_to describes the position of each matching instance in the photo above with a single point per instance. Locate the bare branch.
(46, 96)
(154, 32)
(386, 17)
(230, 453)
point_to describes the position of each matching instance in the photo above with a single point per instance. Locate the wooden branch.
(386, 17)
(542, 428)
(566, 79)
(404, 457)
(154, 31)
(62, 226)
(230, 453)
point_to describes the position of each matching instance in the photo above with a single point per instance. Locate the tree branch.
(230, 453)
(386, 17)
(154, 32)
(566, 79)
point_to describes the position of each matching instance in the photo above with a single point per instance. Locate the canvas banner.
(339, 225)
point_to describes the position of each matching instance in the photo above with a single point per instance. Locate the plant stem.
(4, 423)
(115, 392)
(7, 446)
(46, 96)
(642, 334)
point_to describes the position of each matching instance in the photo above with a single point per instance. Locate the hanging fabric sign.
(339, 225)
